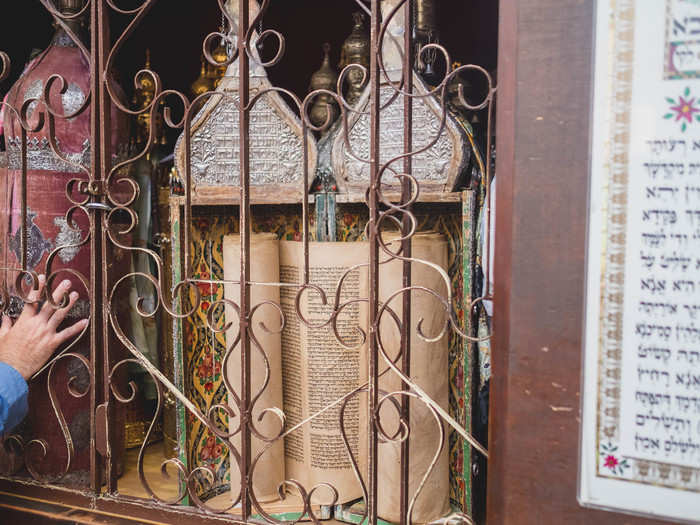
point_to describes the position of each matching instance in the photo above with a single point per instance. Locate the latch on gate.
(96, 189)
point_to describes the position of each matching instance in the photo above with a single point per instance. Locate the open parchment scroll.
(310, 369)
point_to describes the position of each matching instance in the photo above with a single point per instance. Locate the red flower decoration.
(206, 289)
(611, 461)
(211, 450)
(685, 109)
(209, 386)
(208, 369)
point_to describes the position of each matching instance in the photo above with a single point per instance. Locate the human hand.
(29, 343)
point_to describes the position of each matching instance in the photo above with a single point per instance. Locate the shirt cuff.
(13, 398)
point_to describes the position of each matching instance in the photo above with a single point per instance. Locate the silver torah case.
(276, 141)
(438, 169)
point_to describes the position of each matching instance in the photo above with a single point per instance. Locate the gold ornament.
(426, 20)
(203, 82)
(143, 97)
(324, 78)
(355, 50)
(216, 73)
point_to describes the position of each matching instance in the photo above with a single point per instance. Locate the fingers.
(48, 309)
(60, 314)
(6, 325)
(71, 331)
(33, 297)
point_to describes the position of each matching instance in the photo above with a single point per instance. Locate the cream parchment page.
(264, 268)
(429, 369)
(318, 370)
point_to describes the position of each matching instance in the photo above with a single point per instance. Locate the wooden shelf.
(230, 196)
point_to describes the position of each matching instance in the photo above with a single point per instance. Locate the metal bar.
(244, 211)
(374, 78)
(406, 252)
(96, 323)
(305, 204)
(102, 260)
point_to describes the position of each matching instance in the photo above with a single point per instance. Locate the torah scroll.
(429, 370)
(319, 370)
(316, 365)
(264, 255)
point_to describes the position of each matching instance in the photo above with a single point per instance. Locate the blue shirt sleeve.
(13, 398)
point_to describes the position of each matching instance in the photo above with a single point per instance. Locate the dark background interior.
(174, 31)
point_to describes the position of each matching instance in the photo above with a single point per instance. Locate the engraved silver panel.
(34, 90)
(66, 237)
(37, 244)
(40, 156)
(275, 150)
(72, 99)
(432, 165)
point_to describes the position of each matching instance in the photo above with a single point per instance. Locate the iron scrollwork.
(118, 192)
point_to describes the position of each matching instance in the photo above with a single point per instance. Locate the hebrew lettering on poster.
(641, 393)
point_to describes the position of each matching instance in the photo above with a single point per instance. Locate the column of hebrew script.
(429, 370)
(264, 268)
(660, 414)
(319, 369)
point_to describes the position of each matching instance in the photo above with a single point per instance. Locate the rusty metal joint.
(95, 188)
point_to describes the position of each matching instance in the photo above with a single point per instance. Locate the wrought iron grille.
(104, 196)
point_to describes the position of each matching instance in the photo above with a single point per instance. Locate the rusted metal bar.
(245, 229)
(375, 102)
(96, 320)
(406, 190)
(102, 262)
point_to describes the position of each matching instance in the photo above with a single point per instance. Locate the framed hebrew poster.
(640, 443)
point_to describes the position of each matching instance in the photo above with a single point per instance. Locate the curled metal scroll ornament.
(121, 192)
